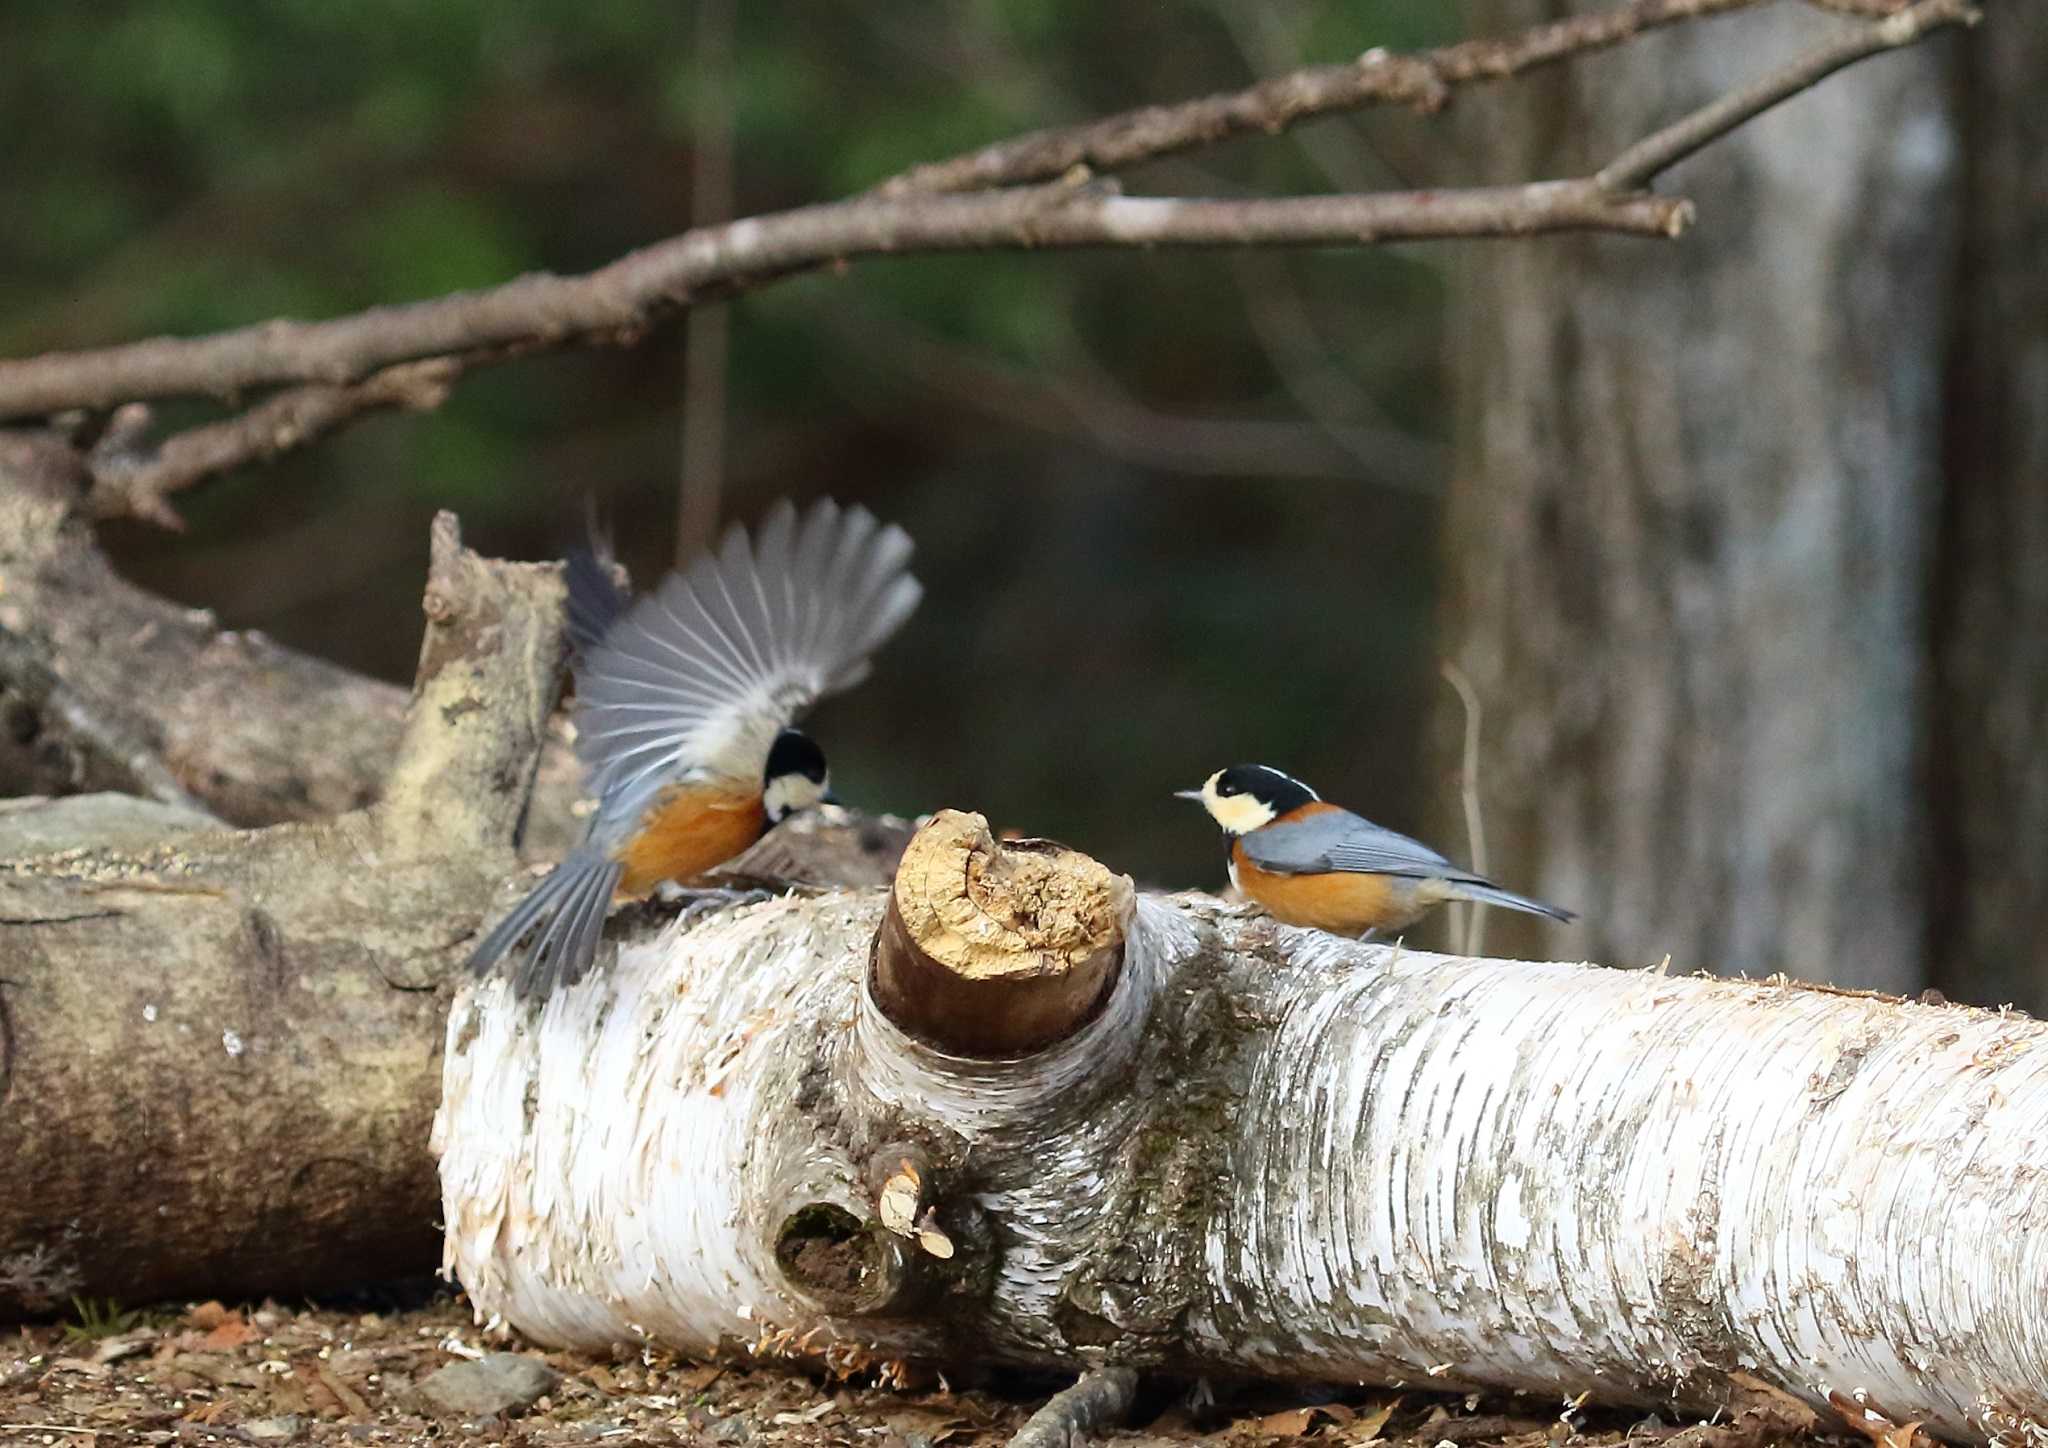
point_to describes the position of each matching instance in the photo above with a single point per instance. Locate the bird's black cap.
(1277, 791)
(795, 752)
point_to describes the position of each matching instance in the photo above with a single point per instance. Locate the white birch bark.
(1277, 1153)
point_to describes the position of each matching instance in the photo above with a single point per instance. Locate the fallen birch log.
(1249, 1149)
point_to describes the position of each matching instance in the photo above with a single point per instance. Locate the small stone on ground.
(498, 1384)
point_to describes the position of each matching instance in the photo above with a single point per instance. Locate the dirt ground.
(331, 1376)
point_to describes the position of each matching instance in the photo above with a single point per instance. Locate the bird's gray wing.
(1336, 839)
(699, 676)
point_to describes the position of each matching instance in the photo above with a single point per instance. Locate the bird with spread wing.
(686, 702)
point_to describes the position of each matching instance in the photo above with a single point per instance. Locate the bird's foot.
(701, 901)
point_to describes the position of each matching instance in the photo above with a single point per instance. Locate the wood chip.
(350, 1398)
(898, 1203)
(1875, 1426)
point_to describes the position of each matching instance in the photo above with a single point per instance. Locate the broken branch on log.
(1270, 1152)
(490, 671)
(1020, 957)
(104, 686)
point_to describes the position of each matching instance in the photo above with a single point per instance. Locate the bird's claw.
(700, 901)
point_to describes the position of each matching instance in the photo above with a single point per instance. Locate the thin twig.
(1100, 1400)
(1424, 80)
(1256, 31)
(131, 483)
(1324, 388)
(1472, 923)
(1867, 9)
(1657, 153)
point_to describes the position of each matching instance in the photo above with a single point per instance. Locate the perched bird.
(684, 705)
(1311, 863)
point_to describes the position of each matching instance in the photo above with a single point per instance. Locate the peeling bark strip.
(991, 949)
(1272, 1152)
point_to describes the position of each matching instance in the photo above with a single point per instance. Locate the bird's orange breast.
(1339, 902)
(686, 832)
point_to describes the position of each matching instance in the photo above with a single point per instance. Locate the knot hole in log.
(832, 1257)
(997, 948)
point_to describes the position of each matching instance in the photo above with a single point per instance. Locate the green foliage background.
(1115, 608)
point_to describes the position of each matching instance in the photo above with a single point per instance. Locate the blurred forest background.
(1742, 541)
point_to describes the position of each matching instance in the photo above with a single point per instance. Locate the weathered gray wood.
(217, 1052)
(35, 825)
(106, 687)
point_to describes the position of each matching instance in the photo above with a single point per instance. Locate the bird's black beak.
(1193, 794)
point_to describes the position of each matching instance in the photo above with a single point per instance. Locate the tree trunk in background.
(1687, 535)
(1990, 714)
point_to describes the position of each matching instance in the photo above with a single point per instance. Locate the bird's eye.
(1228, 789)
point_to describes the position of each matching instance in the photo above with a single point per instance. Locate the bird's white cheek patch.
(1238, 813)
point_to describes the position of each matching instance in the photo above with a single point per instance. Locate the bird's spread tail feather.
(1482, 893)
(565, 914)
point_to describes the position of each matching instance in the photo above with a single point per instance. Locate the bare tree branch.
(641, 287)
(409, 355)
(130, 483)
(1657, 153)
(1378, 77)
